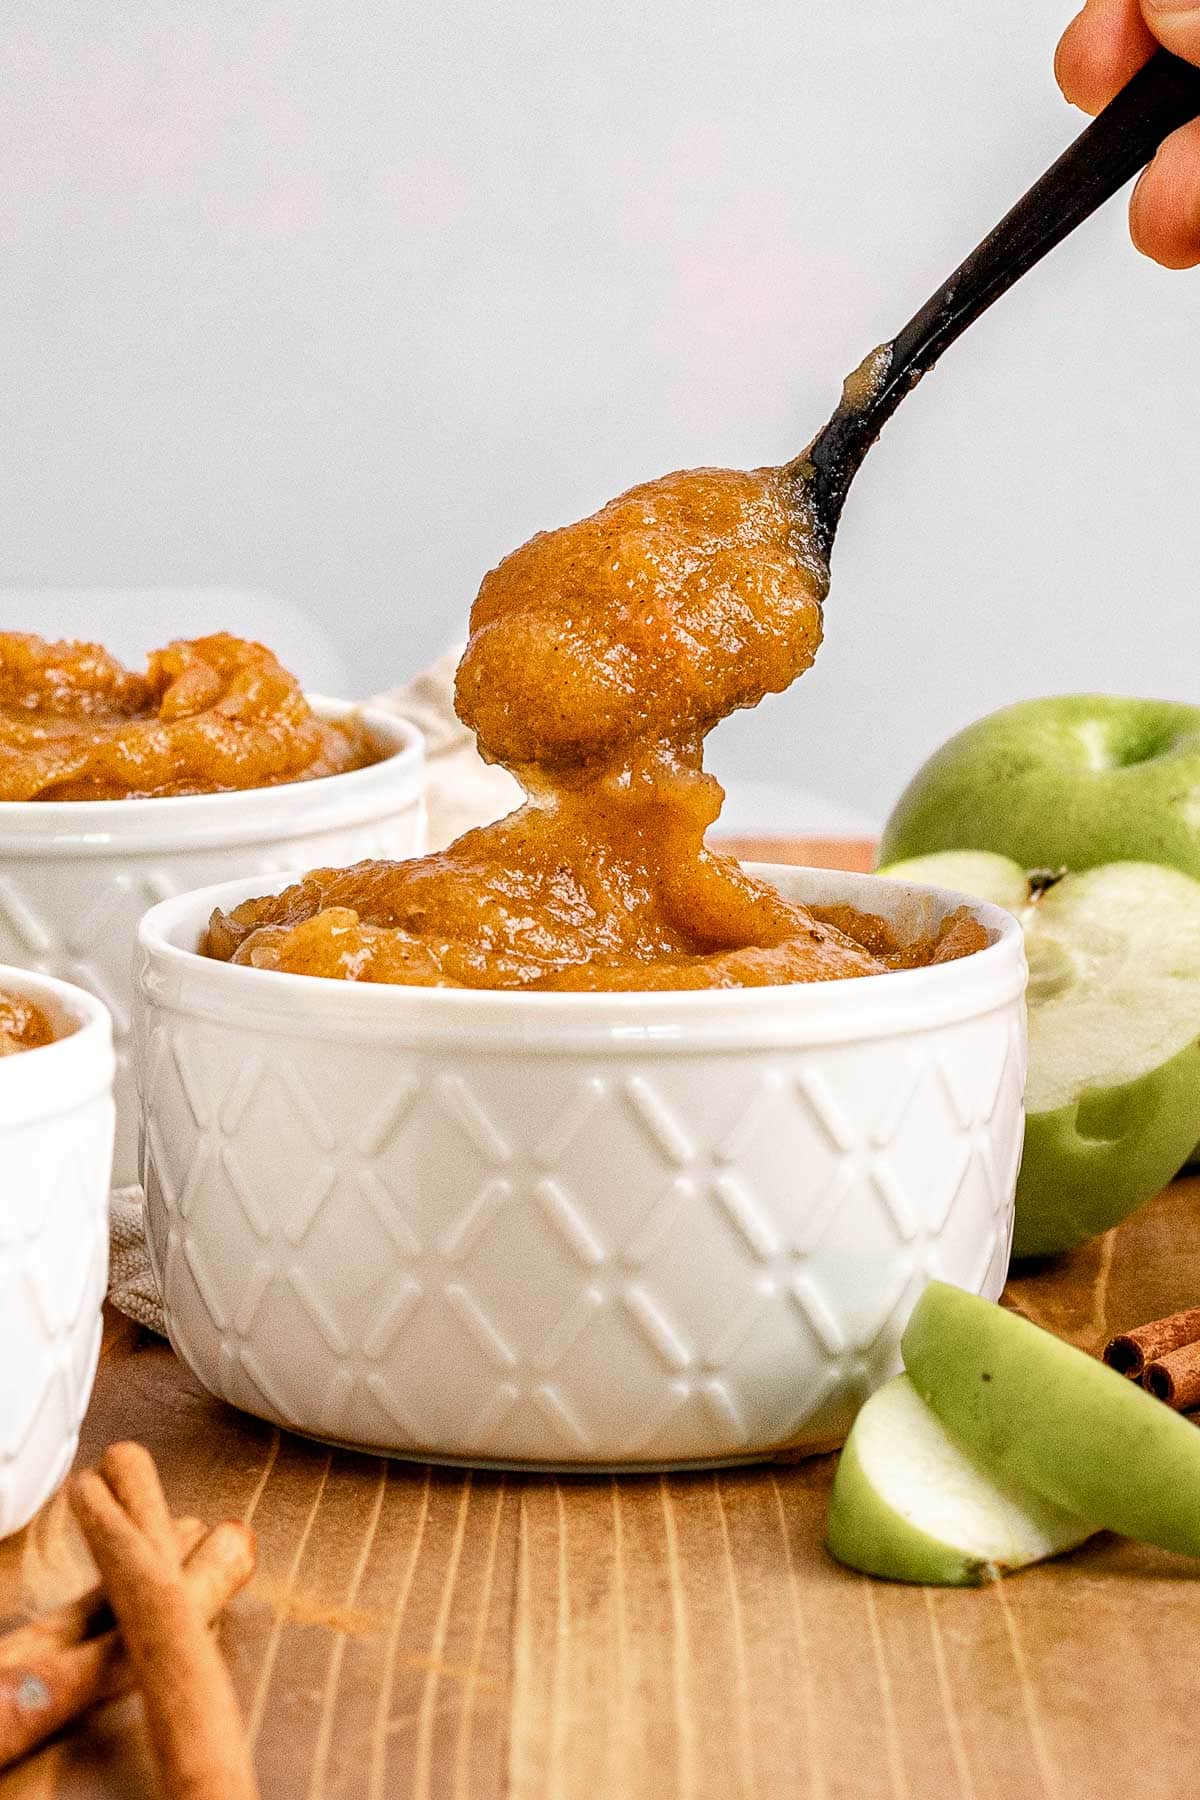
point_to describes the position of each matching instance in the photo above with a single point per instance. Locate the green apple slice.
(908, 1504)
(1041, 1414)
(977, 872)
(1113, 1096)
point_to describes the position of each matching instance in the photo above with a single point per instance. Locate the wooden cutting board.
(424, 1633)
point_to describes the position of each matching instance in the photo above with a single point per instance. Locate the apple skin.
(1040, 1413)
(1086, 1167)
(864, 1534)
(897, 1458)
(1070, 781)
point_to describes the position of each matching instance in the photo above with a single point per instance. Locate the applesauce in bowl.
(23, 1024)
(584, 1230)
(56, 1140)
(214, 715)
(212, 763)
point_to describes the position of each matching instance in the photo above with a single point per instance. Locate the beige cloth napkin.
(462, 791)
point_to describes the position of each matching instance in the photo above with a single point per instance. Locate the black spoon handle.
(1120, 141)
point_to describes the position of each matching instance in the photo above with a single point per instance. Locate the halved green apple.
(909, 1504)
(1038, 1413)
(1113, 1095)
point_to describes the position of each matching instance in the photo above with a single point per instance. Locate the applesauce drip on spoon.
(600, 656)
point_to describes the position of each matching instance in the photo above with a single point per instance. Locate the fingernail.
(1134, 234)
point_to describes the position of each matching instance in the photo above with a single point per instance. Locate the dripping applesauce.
(210, 715)
(600, 655)
(23, 1026)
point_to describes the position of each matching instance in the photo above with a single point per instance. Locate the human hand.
(1099, 51)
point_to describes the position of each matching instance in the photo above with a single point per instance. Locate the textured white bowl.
(56, 1141)
(76, 876)
(573, 1230)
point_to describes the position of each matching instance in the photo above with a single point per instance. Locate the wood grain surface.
(425, 1633)
(815, 853)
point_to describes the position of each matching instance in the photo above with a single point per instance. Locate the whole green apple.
(1071, 782)
(1112, 1100)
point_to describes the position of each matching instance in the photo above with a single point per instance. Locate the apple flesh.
(1076, 780)
(978, 872)
(1040, 1414)
(909, 1504)
(1113, 1095)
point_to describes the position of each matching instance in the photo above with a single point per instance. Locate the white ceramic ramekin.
(573, 1230)
(56, 1141)
(76, 876)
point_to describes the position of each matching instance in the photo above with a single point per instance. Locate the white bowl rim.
(55, 1077)
(186, 821)
(881, 1005)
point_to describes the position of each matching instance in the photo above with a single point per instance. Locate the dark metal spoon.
(1119, 141)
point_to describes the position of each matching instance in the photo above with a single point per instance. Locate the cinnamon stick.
(87, 1617)
(48, 1677)
(1130, 1353)
(1176, 1378)
(191, 1711)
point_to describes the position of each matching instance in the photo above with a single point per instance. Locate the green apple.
(1040, 1414)
(1113, 1095)
(908, 1503)
(1077, 780)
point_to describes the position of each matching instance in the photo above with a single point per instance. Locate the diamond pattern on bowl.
(76, 917)
(53, 1272)
(629, 1259)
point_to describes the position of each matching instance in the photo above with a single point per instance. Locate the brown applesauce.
(23, 1026)
(600, 654)
(208, 716)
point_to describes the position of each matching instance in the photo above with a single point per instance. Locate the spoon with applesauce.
(1120, 141)
(602, 652)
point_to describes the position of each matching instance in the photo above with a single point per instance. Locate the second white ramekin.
(76, 876)
(56, 1139)
(573, 1230)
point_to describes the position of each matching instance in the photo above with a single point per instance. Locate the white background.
(342, 301)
